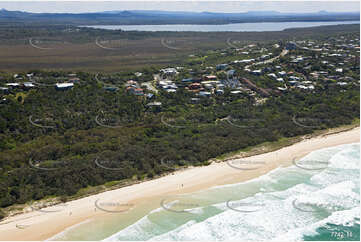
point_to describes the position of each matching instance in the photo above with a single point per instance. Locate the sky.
(195, 6)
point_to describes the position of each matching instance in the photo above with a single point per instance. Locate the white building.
(64, 86)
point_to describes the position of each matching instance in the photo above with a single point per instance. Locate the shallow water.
(286, 204)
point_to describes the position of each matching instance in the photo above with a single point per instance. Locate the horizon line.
(174, 11)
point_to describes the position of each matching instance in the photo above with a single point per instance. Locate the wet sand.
(38, 225)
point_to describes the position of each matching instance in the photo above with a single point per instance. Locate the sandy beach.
(40, 225)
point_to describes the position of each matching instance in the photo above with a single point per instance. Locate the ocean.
(318, 198)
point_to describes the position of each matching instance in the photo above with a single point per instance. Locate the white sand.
(40, 226)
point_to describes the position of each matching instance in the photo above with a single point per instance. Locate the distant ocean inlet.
(239, 27)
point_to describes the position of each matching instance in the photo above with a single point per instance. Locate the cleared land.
(81, 49)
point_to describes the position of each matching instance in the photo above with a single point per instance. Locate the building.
(194, 86)
(294, 78)
(135, 91)
(131, 83)
(220, 67)
(4, 90)
(157, 104)
(204, 94)
(294, 83)
(195, 100)
(219, 92)
(210, 78)
(291, 46)
(267, 69)
(257, 72)
(310, 87)
(187, 80)
(169, 71)
(149, 95)
(272, 75)
(28, 85)
(154, 106)
(13, 84)
(208, 86)
(171, 90)
(236, 92)
(247, 60)
(220, 86)
(282, 73)
(111, 89)
(64, 86)
(169, 86)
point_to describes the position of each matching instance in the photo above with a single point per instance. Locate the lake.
(239, 27)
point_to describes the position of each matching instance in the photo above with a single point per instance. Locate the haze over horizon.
(194, 6)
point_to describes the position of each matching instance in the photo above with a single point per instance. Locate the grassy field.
(108, 51)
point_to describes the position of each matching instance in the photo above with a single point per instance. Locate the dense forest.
(57, 142)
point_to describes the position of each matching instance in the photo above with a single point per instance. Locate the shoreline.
(37, 225)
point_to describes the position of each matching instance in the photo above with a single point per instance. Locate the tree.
(2, 214)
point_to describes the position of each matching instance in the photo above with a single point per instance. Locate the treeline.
(19, 33)
(168, 17)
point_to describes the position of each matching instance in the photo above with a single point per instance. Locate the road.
(37, 47)
(253, 86)
(306, 48)
(102, 46)
(163, 42)
(283, 53)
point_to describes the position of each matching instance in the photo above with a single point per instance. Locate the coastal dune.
(44, 224)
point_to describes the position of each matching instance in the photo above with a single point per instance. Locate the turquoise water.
(238, 27)
(286, 204)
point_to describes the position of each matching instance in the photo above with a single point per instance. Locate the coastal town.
(257, 70)
(240, 96)
(179, 121)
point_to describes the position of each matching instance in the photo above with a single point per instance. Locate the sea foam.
(331, 195)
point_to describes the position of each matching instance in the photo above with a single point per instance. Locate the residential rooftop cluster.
(257, 70)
